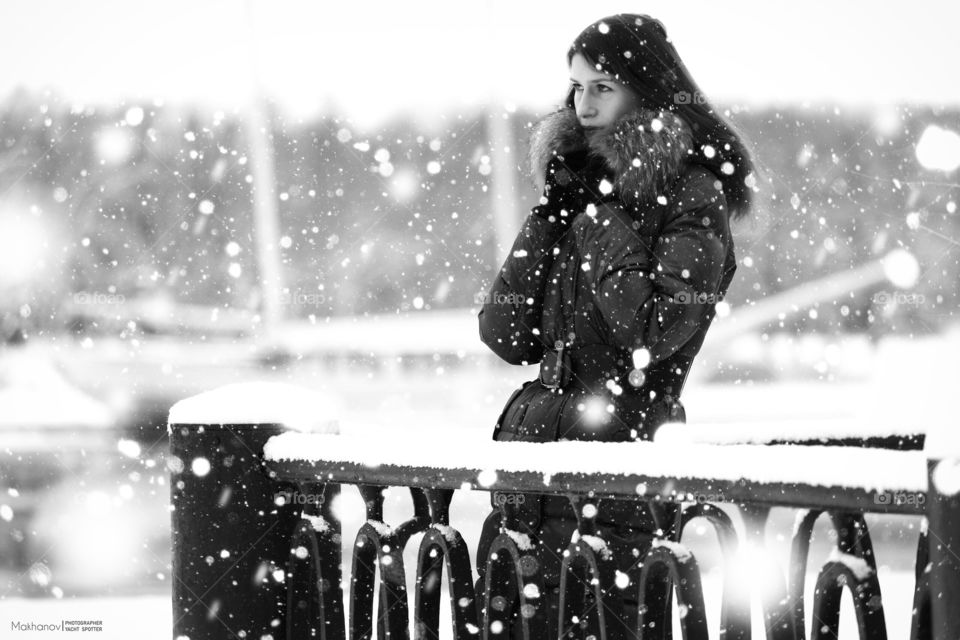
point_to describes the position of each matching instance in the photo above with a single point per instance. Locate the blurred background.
(193, 194)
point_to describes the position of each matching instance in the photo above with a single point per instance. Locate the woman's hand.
(572, 182)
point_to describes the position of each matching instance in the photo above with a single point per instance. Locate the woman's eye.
(577, 87)
(603, 88)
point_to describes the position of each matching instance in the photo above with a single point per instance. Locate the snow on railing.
(809, 432)
(624, 469)
(250, 560)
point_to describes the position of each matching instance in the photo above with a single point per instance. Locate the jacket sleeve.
(510, 316)
(654, 293)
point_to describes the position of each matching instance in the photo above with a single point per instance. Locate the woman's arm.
(510, 317)
(657, 300)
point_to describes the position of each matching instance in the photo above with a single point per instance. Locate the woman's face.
(599, 99)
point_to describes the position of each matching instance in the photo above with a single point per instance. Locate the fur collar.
(645, 150)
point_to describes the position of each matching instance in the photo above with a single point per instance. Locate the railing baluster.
(591, 603)
(799, 553)
(380, 547)
(920, 616)
(663, 572)
(853, 539)
(779, 621)
(443, 547)
(853, 536)
(866, 603)
(314, 596)
(513, 587)
(735, 605)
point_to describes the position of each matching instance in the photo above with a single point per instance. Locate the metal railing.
(248, 564)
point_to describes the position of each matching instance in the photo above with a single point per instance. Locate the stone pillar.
(230, 531)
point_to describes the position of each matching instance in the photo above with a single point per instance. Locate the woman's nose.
(585, 107)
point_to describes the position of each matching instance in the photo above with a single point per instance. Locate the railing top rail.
(801, 476)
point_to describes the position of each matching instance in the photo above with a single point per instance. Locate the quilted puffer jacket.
(619, 300)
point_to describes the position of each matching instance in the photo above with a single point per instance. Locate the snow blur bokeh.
(134, 271)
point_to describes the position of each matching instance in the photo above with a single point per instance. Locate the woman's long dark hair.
(635, 50)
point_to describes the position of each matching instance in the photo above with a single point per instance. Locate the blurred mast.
(266, 223)
(503, 183)
(503, 178)
(265, 214)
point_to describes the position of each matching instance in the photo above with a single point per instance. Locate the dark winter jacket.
(629, 288)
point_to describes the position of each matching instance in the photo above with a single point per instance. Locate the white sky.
(373, 59)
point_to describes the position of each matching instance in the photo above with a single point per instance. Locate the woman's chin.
(593, 134)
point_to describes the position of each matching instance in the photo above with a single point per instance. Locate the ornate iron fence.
(251, 563)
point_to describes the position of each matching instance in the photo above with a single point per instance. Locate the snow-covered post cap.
(259, 403)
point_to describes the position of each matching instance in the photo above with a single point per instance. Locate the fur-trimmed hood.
(645, 150)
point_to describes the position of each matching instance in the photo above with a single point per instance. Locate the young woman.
(616, 272)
